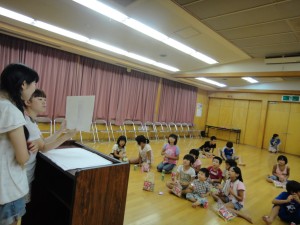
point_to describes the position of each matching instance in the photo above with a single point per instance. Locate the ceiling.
(239, 34)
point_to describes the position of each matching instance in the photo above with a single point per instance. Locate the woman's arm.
(17, 139)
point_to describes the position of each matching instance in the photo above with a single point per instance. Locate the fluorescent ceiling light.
(81, 38)
(250, 80)
(136, 25)
(179, 46)
(15, 16)
(107, 47)
(211, 82)
(204, 58)
(103, 9)
(59, 31)
(131, 55)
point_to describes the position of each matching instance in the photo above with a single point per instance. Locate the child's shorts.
(237, 205)
(197, 197)
(12, 211)
(273, 177)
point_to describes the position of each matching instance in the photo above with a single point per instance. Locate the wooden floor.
(150, 208)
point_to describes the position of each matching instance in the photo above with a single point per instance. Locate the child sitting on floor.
(233, 193)
(197, 164)
(286, 205)
(280, 171)
(184, 176)
(215, 173)
(200, 189)
(228, 152)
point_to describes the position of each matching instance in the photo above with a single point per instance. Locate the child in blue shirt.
(228, 152)
(286, 205)
(274, 143)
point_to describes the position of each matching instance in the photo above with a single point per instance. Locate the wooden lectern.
(91, 196)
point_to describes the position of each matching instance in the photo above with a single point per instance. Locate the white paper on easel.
(79, 112)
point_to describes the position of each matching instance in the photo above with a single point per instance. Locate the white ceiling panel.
(230, 31)
(256, 30)
(266, 40)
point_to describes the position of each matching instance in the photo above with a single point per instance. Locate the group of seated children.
(196, 183)
(231, 193)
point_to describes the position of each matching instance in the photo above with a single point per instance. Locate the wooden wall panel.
(277, 122)
(293, 132)
(252, 123)
(225, 117)
(200, 121)
(239, 118)
(213, 112)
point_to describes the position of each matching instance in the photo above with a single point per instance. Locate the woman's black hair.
(239, 172)
(11, 81)
(121, 138)
(229, 144)
(194, 152)
(173, 136)
(282, 157)
(190, 158)
(213, 138)
(141, 139)
(275, 135)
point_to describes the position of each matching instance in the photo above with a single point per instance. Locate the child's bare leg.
(170, 184)
(217, 197)
(185, 191)
(195, 204)
(270, 218)
(192, 199)
(230, 207)
(269, 179)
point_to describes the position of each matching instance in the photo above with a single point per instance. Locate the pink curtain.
(177, 102)
(119, 95)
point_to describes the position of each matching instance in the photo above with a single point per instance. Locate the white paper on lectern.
(79, 112)
(75, 158)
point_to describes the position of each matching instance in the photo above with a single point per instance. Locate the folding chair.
(101, 127)
(129, 128)
(45, 125)
(92, 131)
(140, 128)
(115, 129)
(173, 128)
(150, 129)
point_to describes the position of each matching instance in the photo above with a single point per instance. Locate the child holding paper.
(34, 106)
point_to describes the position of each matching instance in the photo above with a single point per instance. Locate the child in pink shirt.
(197, 164)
